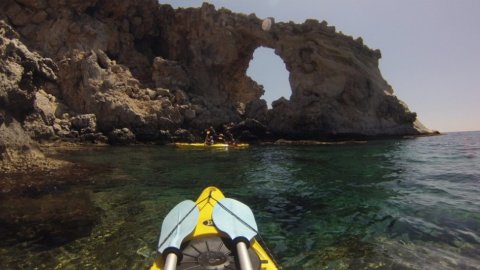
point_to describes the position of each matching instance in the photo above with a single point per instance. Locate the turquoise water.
(393, 204)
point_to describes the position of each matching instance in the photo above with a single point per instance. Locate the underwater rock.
(48, 221)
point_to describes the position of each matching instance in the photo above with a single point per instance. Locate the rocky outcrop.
(121, 136)
(17, 149)
(81, 69)
(22, 73)
(29, 114)
(337, 87)
(48, 221)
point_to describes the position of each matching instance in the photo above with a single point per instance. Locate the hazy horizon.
(429, 50)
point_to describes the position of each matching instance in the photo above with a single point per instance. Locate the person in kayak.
(210, 136)
(228, 134)
(220, 138)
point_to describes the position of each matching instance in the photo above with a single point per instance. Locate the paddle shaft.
(171, 262)
(243, 257)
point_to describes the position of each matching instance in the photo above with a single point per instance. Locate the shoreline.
(65, 145)
(44, 174)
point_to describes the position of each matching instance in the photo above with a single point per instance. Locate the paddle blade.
(178, 224)
(234, 218)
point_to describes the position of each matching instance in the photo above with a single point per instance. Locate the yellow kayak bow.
(209, 248)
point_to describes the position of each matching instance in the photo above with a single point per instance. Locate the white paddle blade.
(234, 218)
(178, 224)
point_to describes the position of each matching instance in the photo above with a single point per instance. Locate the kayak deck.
(208, 248)
(215, 145)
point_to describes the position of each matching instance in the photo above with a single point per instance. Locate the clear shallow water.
(394, 204)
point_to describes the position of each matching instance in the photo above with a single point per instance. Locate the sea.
(384, 204)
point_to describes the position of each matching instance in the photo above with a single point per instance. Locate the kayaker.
(229, 137)
(210, 135)
(228, 134)
(208, 138)
(220, 138)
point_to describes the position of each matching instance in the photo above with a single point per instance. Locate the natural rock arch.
(148, 67)
(138, 70)
(337, 87)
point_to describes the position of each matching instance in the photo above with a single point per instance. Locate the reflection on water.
(408, 204)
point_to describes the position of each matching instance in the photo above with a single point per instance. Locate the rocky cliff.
(22, 74)
(337, 87)
(119, 71)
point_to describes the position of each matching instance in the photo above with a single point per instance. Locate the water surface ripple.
(393, 204)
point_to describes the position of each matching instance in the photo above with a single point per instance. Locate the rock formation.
(337, 88)
(86, 70)
(21, 74)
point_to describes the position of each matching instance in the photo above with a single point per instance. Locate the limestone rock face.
(91, 83)
(169, 74)
(47, 107)
(17, 149)
(121, 136)
(337, 87)
(257, 109)
(22, 73)
(84, 122)
(154, 70)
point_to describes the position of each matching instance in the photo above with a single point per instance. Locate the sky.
(430, 50)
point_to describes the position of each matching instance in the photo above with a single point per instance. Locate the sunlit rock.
(148, 67)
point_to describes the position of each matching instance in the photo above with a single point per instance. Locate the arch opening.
(269, 70)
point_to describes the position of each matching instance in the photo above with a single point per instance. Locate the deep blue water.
(389, 204)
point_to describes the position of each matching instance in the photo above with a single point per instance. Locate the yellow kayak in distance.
(215, 145)
(209, 248)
